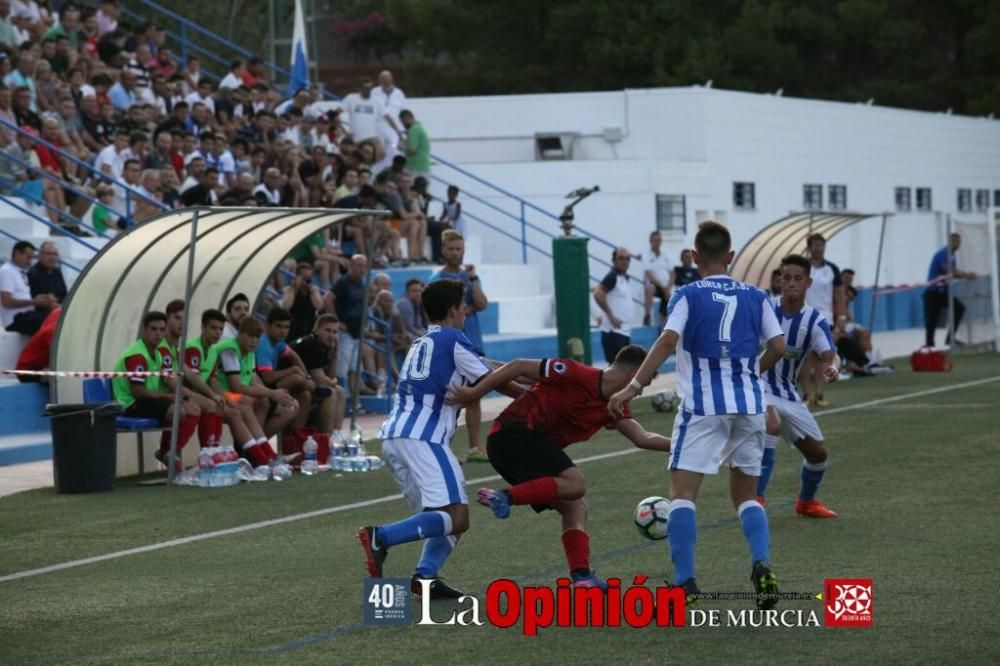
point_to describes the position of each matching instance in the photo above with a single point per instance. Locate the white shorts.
(796, 420)
(428, 474)
(703, 443)
(347, 353)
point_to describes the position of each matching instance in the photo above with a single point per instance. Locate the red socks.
(210, 429)
(188, 426)
(576, 543)
(259, 453)
(537, 491)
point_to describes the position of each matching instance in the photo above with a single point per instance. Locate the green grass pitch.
(915, 482)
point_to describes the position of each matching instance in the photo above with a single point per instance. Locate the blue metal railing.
(96, 173)
(62, 262)
(35, 216)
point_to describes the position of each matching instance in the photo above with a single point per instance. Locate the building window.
(923, 198)
(671, 214)
(903, 203)
(743, 196)
(838, 197)
(812, 197)
(982, 200)
(964, 200)
(996, 198)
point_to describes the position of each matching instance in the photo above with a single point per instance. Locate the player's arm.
(772, 333)
(601, 297)
(822, 345)
(642, 438)
(531, 368)
(479, 300)
(194, 380)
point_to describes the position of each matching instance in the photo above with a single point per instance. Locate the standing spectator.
(107, 17)
(418, 145)
(453, 251)
(366, 114)
(939, 275)
(318, 351)
(19, 311)
(392, 100)
(349, 292)
(411, 309)
(451, 211)
(614, 297)
(302, 300)
(657, 273)
(827, 296)
(45, 277)
(389, 330)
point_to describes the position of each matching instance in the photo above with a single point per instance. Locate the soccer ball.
(651, 517)
(665, 401)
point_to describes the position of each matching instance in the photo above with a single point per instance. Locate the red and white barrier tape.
(87, 374)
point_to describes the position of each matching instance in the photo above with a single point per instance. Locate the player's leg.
(210, 423)
(279, 419)
(473, 424)
(770, 444)
(576, 542)
(744, 452)
(648, 314)
(959, 313)
(664, 302)
(190, 415)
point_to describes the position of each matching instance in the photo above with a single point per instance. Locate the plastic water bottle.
(230, 468)
(219, 458)
(309, 465)
(374, 462)
(281, 471)
(206, 468)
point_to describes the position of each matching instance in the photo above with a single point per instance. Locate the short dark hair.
(210, 315)
(136, 137)
(21, 246)
(815, 237)
(235, 63)
(712, 241)
(299, 267)
(630, 356)
(847, 270)
(406, 112)
(278, 314)
(413, 281)
(797, 260)
(236, 299)
(175, 306)
(654, 232)
(151, 316)
(439, 297)
(776, 272)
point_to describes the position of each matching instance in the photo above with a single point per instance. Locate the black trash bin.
(84, 447)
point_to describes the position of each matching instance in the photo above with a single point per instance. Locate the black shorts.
(149, 409)
(520, 454)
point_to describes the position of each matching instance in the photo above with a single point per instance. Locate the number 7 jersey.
(435, 362)
(722, 323)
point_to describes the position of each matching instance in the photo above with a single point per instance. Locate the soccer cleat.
(496, 500)
(820, 401)
(813, 509)
(477, 455)
(162, 456)
(439, 588)
(375, 556)
(691, 592)
(764, 582)
(761, 500)
(589, 579)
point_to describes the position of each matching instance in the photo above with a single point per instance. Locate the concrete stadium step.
(25, 448)
(510, 280)
(11, 345)
(523, 314)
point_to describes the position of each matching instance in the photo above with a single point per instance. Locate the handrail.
(488, 204)
(61, 183)
(182, 39)
(73, 158)
(18, 240)
(6, 199)
(47, 206)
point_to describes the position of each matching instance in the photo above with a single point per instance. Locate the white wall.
(697, 142)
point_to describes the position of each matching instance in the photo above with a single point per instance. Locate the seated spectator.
(20, 175)
(318, 351)
(142, 395)
(46, 277)
(20, 312)
(237, 308)
(231, 366)
(686, 273)
(411, 310)
(203, 194)
(99, 215)
(35, 355)
(279, 367)
(379, 282)
(268, 193)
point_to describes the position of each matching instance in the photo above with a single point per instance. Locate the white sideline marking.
(390, 498)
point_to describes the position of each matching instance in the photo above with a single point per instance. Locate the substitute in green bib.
(142, 395)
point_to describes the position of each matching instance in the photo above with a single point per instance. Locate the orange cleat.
(761, 500)
(813, 509)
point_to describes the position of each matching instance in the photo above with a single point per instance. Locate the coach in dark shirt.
(45, 277)
(349, 292)
(201, 194)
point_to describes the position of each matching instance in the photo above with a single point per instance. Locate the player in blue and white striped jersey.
(716, 325)
(806, 332)
(416, 442)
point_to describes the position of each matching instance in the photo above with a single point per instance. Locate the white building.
(704, 149)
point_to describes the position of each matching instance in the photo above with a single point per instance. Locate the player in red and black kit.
(567, 404)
